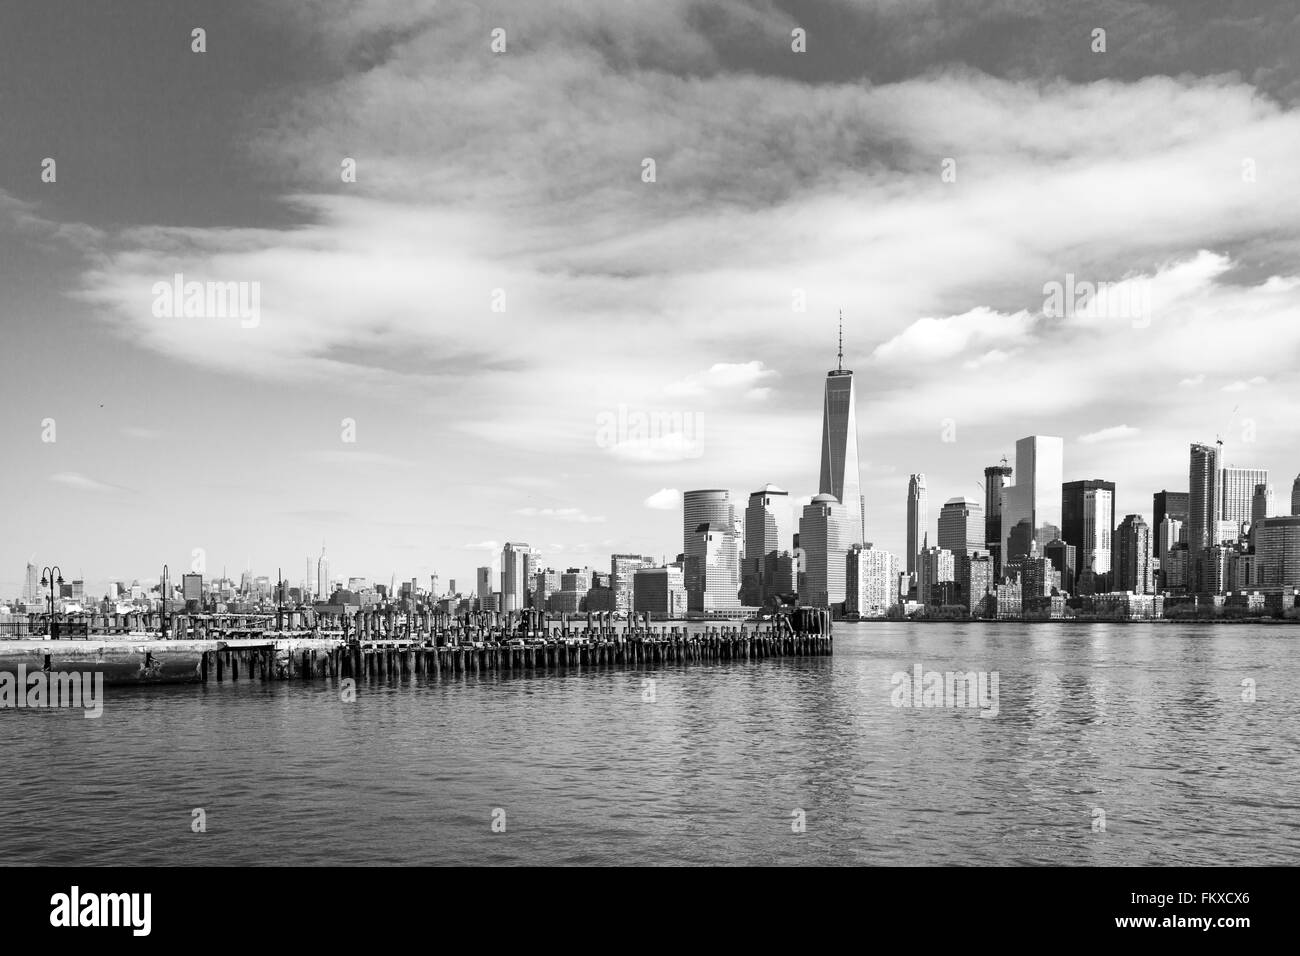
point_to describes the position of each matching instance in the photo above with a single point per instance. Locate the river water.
(1111, 744)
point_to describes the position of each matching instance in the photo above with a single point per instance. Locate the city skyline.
(655, 335)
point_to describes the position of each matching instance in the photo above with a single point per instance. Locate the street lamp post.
(163, 587)
(279, 599)
(48, 579)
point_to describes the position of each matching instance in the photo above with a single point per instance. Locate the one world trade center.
(840, 475)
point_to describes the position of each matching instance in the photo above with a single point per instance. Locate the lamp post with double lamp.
(48, 578)
(162, 586)
(279, 599)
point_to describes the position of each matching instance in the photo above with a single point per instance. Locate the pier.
(374, 646)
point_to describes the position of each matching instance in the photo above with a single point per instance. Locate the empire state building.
(840, 475)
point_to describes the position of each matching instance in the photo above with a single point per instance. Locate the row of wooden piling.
(380, 662)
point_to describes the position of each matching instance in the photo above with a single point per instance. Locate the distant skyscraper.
(1277, 552)
(32, 585)
(322, 576)
(826, 533)
(711, 583)
(1072, 494)
(995, 480)
(840, 475)
(934, 566)
(1034, 501)
(622, 573)
(1096, 545)
(483, 583)
(1171, 533)
(712, 507)
(1295, 496)
(514, 576)
(961, 527)
(871, 581)
(1168, 504)
(1203, 505)
(918, 519)
(1133, 556)
(1238, 486)
(768, 532)
(1261, 504)
(1064, 558)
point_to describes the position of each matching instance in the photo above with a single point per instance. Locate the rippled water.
(1146, 723)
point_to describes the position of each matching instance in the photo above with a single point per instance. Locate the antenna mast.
(839, 366)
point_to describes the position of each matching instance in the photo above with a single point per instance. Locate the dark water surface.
(1144, 723)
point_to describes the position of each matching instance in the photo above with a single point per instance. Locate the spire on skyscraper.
(839, 366)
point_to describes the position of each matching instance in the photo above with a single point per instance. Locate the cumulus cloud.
(665, 499)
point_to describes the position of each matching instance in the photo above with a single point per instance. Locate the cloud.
(743, 378)
(1192, 382)
(1243, 385)
(665, 499)
(931, 339)
(80, 482)
(1109, 434)
(675, 446)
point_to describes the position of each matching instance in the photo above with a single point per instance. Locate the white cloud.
(1109, 434)
(1192, 382)
(742, 377)
(1243, 385)
(930, 339)
(665, 499)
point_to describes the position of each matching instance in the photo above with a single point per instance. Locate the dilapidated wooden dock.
(246, 652)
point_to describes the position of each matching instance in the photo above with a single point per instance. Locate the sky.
(504, 328)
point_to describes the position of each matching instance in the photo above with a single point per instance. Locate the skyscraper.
(1295, 496)
(918, 519)
(1238, 492)
(934, 566)
(1133, 571)
(622, 574)
(712, 507)
(961, 527)
(1033, 503)
(871, 583)
(1168, 504)
(826, 533)
(1203, 505)
(1064, 558)
(1072, 496)
(768, 531)
(1261, 504)
(1277, 551)
(840, 475)
(323, 590)
(995, 480)
(514, 576)
(1097, 542)
(1171, 533)
(32, 585)
(711, 571)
